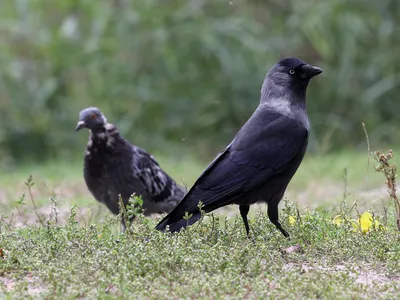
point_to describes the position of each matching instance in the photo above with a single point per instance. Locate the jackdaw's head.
(292, 73)
(91, 118)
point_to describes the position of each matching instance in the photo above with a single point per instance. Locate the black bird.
(263, 157)
(113, 167)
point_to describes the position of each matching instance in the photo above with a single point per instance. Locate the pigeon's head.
(292, 73)
(91, 118)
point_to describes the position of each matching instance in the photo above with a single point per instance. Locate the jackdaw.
(263, 157)
(113, 167)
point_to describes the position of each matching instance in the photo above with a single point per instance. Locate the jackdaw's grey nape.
(263, 157)
(113, 167)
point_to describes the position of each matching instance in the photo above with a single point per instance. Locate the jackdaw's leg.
(274, 218)
(244, 210)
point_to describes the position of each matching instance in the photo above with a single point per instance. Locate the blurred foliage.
(187, 73)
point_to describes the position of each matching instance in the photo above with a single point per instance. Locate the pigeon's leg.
(244, 210)
(123, 225)
(274, 218)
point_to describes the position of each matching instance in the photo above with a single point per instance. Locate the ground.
(77, 250)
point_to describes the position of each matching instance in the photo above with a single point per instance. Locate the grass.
(319, 182)
(82, 254)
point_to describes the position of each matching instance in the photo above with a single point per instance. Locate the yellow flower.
(366, 222)
(338, 220)
(292, 220)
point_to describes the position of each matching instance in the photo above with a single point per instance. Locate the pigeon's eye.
(93, 116)
(291, 71)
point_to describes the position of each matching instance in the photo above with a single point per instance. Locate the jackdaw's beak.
(311, 71)
(80, 125)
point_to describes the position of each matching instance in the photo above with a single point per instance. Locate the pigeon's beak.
(80, 125)
(311, 71)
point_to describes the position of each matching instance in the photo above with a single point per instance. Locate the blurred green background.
(182, 76)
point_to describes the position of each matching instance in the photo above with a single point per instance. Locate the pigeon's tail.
(179, 192)
(177, 225)
(167, 204)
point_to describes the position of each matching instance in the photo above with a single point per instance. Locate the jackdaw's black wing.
(254, 156)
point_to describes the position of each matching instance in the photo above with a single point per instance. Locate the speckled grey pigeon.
(113, 167)
(263, 157)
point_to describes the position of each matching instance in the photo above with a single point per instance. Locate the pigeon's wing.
(155, 181)
(254, 156)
